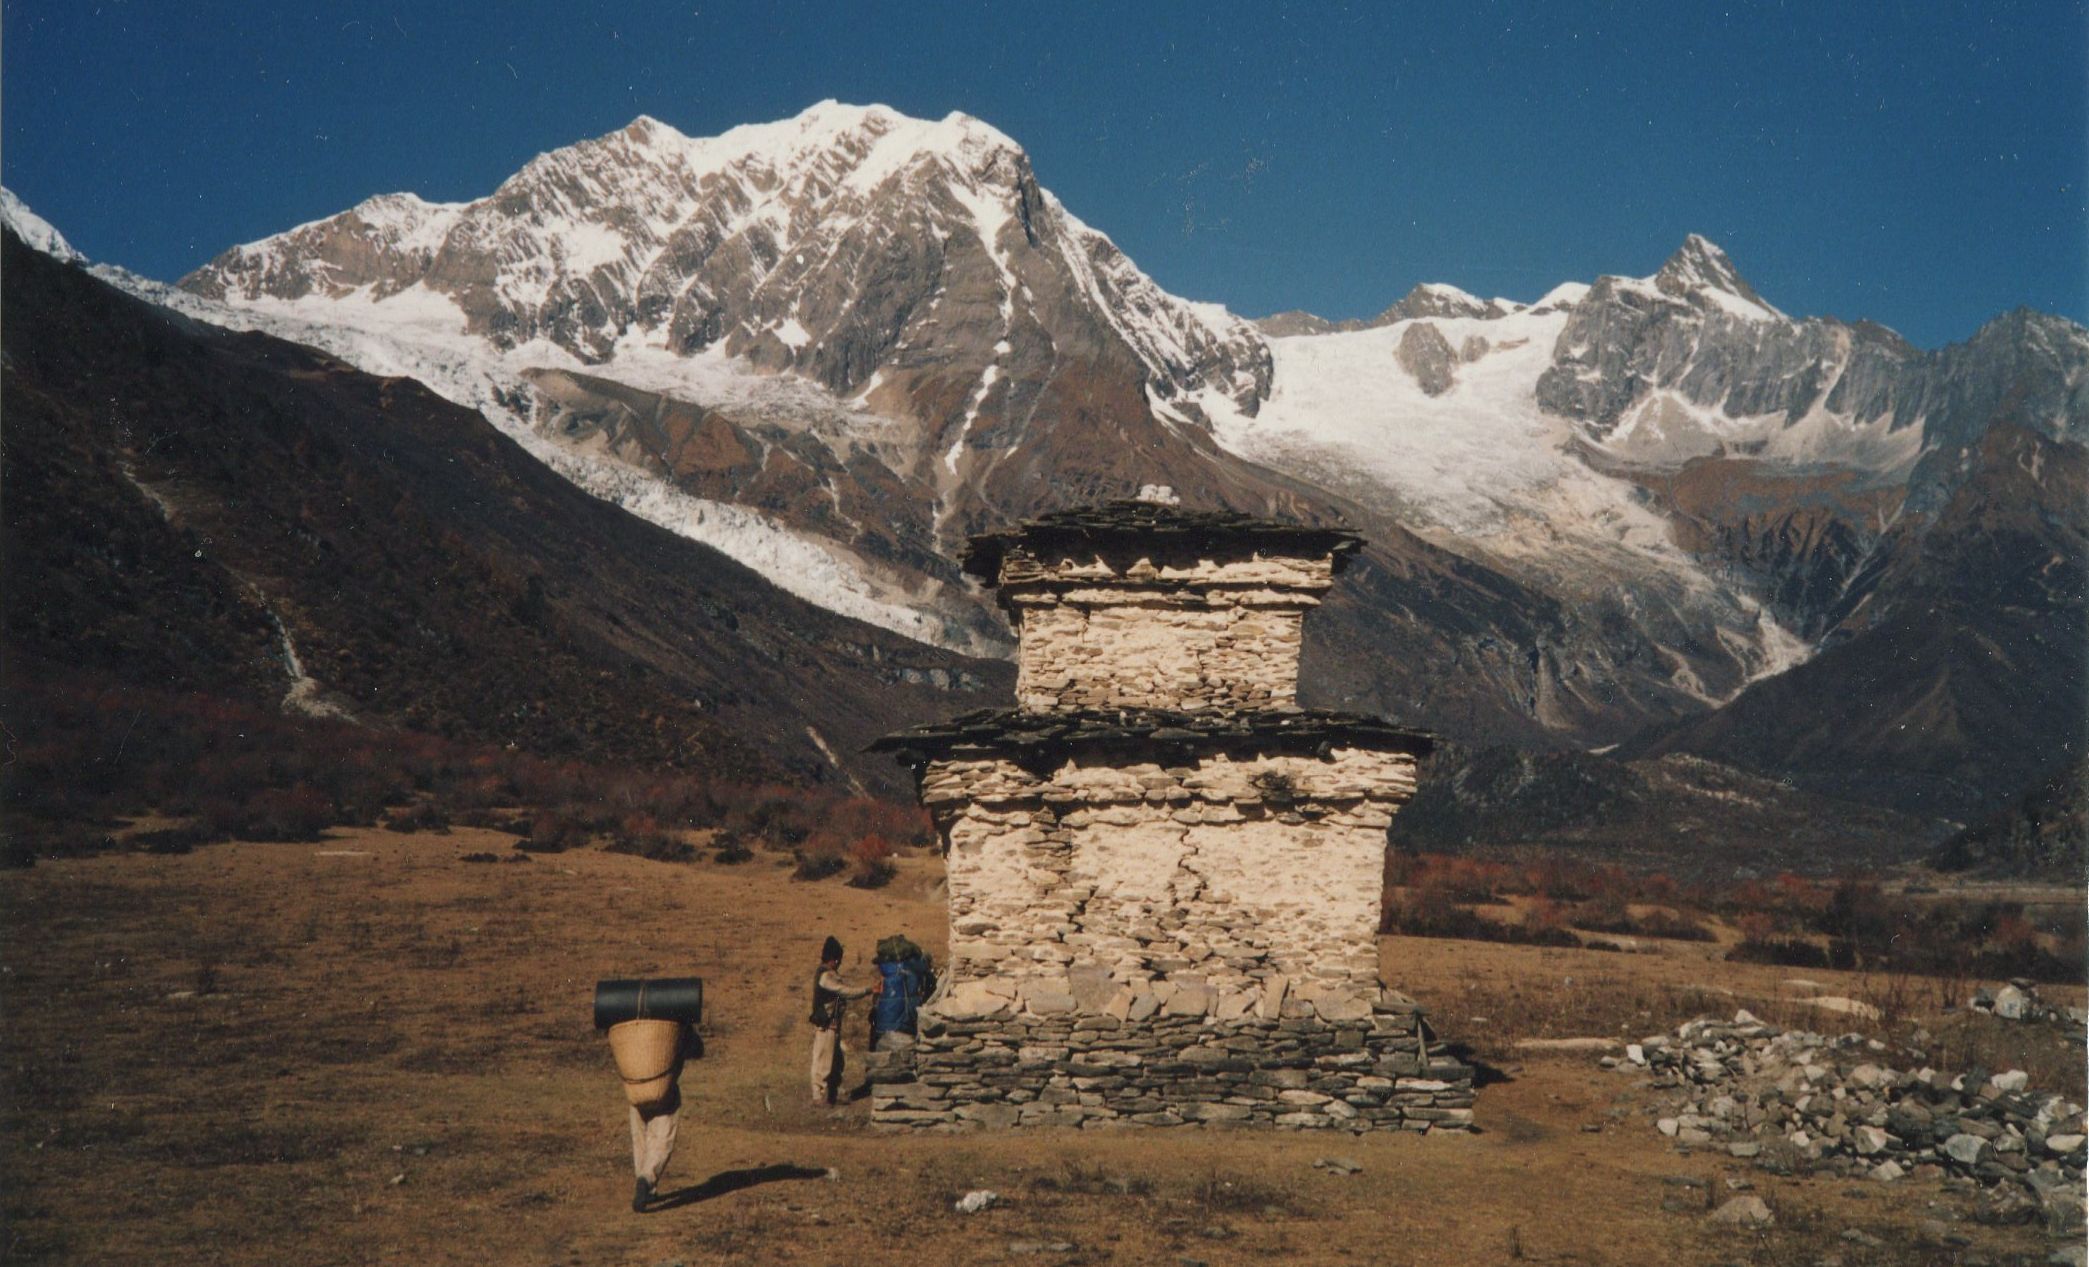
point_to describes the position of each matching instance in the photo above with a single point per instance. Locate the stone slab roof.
(1028, 736)
(1223, 533)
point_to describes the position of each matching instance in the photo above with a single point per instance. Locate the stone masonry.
(1164, 874)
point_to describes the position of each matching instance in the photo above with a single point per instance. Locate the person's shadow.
(729, 1181)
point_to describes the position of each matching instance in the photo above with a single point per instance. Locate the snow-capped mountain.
(824, 245)
(834, 345)
(35, 231)
(857, 286)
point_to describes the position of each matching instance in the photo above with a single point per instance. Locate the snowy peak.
(837, 245)
(1428, 299)
(1560, 298)
(34, 230)
(1701, 273)
(1435, 299)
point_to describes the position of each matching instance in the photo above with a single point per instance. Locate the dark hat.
(832, 950)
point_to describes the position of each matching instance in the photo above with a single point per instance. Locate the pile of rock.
(2019, 1001)
(1295, 1073)
(1792, 1099)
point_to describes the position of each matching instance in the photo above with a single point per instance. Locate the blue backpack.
(907, 985)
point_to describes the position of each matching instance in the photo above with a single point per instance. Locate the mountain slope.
(1962, 674)
(834, 345)
(2042, 834)
(233, 514)
(898, 338)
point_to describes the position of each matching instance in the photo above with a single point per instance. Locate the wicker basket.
(645, 1053)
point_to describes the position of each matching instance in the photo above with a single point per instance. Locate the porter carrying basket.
(645, 1053)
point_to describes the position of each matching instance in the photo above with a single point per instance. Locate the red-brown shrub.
(553, 831)
(871, 863)
(300, 812)
(824, 853)
(1757, 926)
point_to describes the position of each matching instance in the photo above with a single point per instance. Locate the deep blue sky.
(1922, 165)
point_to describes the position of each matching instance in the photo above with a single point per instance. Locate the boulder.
(2011, 1003)
(1966, 1150)
(1744, 1211)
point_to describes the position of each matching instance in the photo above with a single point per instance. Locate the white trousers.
(653, 1140)
(828, 1056)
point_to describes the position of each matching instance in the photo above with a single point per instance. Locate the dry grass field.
(370, 1050)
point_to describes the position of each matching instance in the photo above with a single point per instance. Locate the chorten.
(1165, 876)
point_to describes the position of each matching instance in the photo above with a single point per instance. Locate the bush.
(1607, 913)
(823, 854)
(94, 752)
(1785, 952)
(1430, 913)
(424, 817)
(171, 840)
(730, 849)
(300, 812)
(642, 834)
(554, 831)
(871, 864)
(1456, 879)
(1670, 924)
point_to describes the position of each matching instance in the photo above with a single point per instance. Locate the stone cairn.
(1164, 874)
(1797, 1101)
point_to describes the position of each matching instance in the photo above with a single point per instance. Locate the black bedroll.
(665, 999)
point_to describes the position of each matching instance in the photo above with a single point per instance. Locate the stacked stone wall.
(1231, 652)
(1185, 634)
(1099, 1072)
(1151, 944)
(1219, 880)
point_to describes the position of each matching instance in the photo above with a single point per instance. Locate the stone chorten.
(1164, 874)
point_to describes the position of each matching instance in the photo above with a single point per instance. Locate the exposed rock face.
(1698, 334)
(1424, 354)
(1434, 299)
(1957, 658)
(1281, 325)
(830, 245)
(1800, 539)
(1430, 299)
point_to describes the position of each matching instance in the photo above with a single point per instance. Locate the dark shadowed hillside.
(2042, 834)
(1679, 814)
(1957, 671)
(196, 510)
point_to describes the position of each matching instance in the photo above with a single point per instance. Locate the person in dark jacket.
(830, 999)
